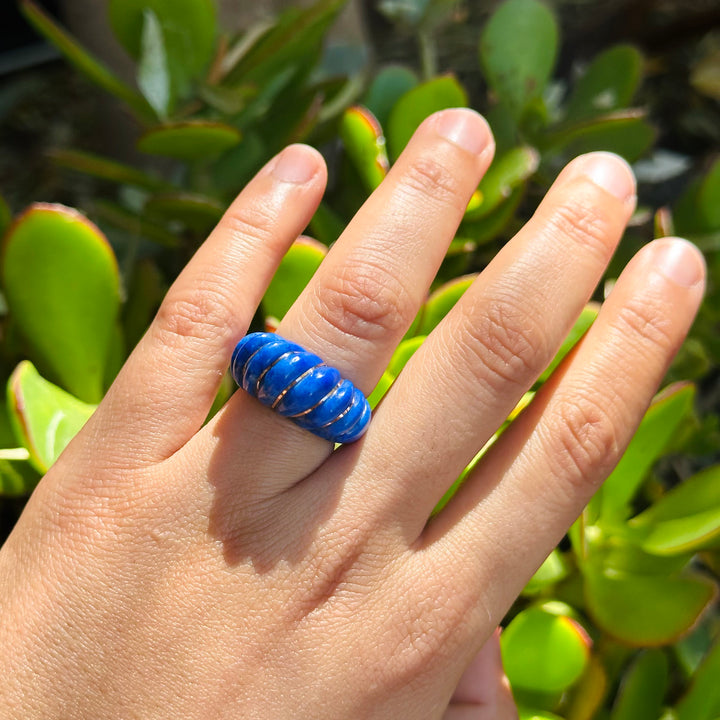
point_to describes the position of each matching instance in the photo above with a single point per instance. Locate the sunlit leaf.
(364, 143)
(643, 688)
(553, 570)
(404, 351)
(190, 140)
(17, 476)
(517, 51)
(702, 700)
(608, 84)
(418, 103)
(46, 418)
(61, 282)
(440, 302)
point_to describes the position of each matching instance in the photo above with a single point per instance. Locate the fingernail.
(680, 261)
(465, 128)
(296, 164)
(609, 171)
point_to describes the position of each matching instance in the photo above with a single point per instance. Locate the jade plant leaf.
(153, 75)
(517, 51)
(5, 215)
(61, 282)
(553, 570)
(441, 301)
(188, 28)
(526, 713)
(544, 652)
(709, 198)
(364, 143)
(190, 140)
(696, 212)
(17, 476)
(643, 688)
(107, 169)
(195, 211)
(77, 56)
(666, 413)
(387, 87)
(135, 224)
(608, 84)
(702, 700)
(293, 274)
(418, 103)
(686, 519)
(645, 611)
(45, 417)
(404, 351)
(506, 173)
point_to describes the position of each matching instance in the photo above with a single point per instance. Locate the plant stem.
(428, 54)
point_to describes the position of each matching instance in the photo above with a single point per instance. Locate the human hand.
(243, 569)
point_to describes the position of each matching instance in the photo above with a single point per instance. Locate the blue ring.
(297, 384)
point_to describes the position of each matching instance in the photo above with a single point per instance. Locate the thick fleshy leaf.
(108, 169)
(404, 351)
(17, 476)
(544, 652)
(387, 87)
(625, 132)
(364, 143)
(696, 212)
(146, 289)
(588, 693)
(415, 105)
(526, 713)
(326, 225)
(293, 274)
(517, 51)
(381, 388)
(581, 326)
(553, 570)
(665, 414)
(5, 215)
(505, 174)
(686, 519)
(133, 224)
(440, 303)
(709, 198)
(191, 140)
(608, 84)
(643, 688)
(489, 228)
(74, 53)
(188, 29)
(645, 611)
(61, 283)
(153, 74)
(198, 212)
(702, 700)
(45, 417)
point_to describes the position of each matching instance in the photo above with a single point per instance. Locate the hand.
(243, 569)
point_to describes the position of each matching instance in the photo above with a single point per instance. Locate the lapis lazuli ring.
(297, 384)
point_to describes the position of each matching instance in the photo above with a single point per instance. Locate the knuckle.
(250, 222)
(641, 318)
(363, 300)
(505, 345)
(583, 223)
(199, 312)
(433, 182)
(587, 436)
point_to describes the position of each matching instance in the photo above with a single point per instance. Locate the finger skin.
(474, 368)
(367, 291)
(536, 479)
(167, 386)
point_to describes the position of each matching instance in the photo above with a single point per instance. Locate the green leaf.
(665, 414)
(61, 283)
(293, 274)
(526, 713)
(608, 84)
(645, 610)
(153, 75)
(387, 87)
(422, 101)
(198, 212)
(643, 688)
(17, 475)
(553, 570)
(544, 652)
(381, 388)
(46, 418)
(517, 51)
(440, 302)
(5, 216)
(76, 55)
(146, 290)
(188, 29)
(686, 519)
(625, 132)
(709, 198)
(505, 174)
(404, 351)
(702, 700)
(581, 326)
(190, 140)
(364, 143)
(107, 169)
(133, 224)
(489, 228)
